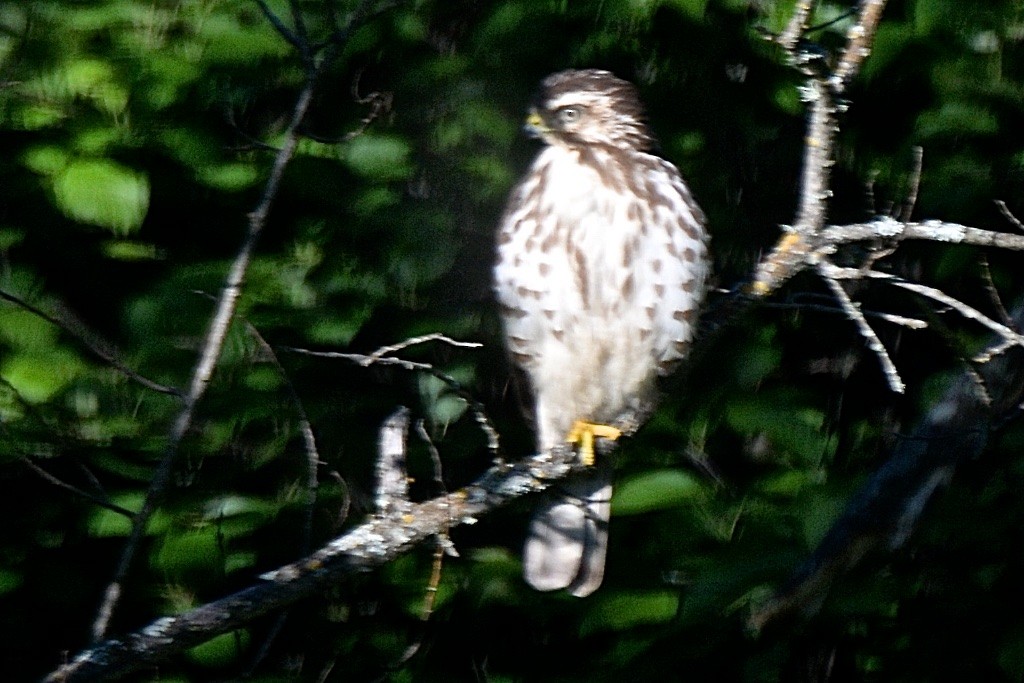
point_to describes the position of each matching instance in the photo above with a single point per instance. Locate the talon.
(583, 433)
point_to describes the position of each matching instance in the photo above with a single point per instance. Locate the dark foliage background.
(134, 140)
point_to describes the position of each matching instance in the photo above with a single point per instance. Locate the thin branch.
(915, 185)
(1007, 335)
(853, 313)
(95, 500)
(794, 253)
(308, 438)
(900, 320)
(216, 335)
(95, 347)
(413, 341)
(382, 357)
(279, 26)
(993, 293)
(888, 228)
(311, 483)
(797, 26)
(791, 253)
(1005, 210)
(858, 44)
(301, 33)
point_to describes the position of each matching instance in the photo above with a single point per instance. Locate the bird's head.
(575, 108)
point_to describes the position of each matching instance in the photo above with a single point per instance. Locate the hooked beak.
(534, 125)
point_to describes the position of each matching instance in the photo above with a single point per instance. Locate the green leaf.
(130, 250)
(37, 377)
(379, 157)
(197, 550)
(622, 611)
(221, 650)
(957, 119)
(657, 490)
(10, 580)
(790, 483)
(229, 177)
(104, 523)
(104, 193)
(45, 159)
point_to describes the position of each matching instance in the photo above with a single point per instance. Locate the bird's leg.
(583, 433)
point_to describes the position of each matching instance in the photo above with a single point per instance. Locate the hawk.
(602, 263)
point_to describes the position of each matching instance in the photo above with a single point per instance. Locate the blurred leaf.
(220, 651)
(229, 177)
(103, 193)
(45, 159)
(128, 250)
(379, 157)
(790, 482)
(792, 429)
(957, 119)
(104, 523)
(1011, 655)
(192, 550)
(623, 611)
(10, 580)
(38, 377)
(657, 490)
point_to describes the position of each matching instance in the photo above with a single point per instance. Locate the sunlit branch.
(378, 540)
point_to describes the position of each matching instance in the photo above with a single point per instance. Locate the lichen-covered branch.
(858, 44)
(391, 532)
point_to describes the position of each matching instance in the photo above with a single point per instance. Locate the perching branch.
(396, 528)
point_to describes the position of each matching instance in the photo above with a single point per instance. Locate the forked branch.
(811, 243)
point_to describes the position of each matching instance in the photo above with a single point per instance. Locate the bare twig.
(1005, 210)
(308, 438)
(96, 500)
(290, 37)
(382, 357)
(858, 44)
(915, 185)
(217, 332)
(442, 542)
(797, 25)
(1008, 337)
(311, 483)
(993, 293)
(89, 341)
(392, 499)
(413, 341)
(853, 313)
(931, 230)
(901, 320)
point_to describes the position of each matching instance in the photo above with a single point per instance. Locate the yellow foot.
(583, 433)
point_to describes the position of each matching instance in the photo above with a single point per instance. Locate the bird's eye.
(568, 114)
